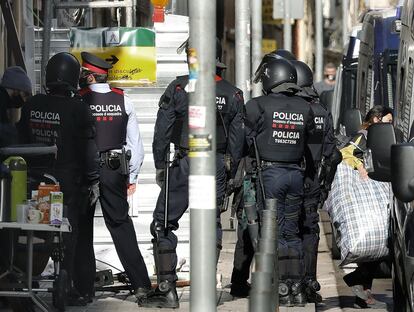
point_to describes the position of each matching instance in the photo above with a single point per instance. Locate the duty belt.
(265, 164)
(116, 159)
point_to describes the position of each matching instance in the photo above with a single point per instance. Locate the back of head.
(277, 72)
(15, 78)
(304, 73)
(62, 72)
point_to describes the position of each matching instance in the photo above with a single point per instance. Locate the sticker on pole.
(196, 117)
(199, 145)
(202, 192)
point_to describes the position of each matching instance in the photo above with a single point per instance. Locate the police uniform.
(281, 123)
(172, 127)
(62, 118)
(116, 128)
(320, 146)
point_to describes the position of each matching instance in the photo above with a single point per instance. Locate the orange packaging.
(43, 200)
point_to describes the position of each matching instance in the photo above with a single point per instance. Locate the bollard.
(261, 294)
(264, 262)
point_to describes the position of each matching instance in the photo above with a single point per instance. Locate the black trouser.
(244, 251)
(285, 183)
(71, 188)
(166, 241)
(114, 204)
(310, 226)
(85, 265)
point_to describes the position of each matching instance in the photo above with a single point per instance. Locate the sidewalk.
(106, 302)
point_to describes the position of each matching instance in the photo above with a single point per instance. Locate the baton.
(167, 180)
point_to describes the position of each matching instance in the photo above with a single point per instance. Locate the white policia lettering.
(106, 108)
(288, 116)
(319, 120)
(286, 134)
(220, 100)
(45, 133)
(45, 115)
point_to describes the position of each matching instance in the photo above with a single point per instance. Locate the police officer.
(280, 123)
(321, 145)
(60, 117)
(172, 127)
(248, 227)
(121, 154)
(15, 89)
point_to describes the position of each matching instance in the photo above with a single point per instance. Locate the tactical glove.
(159, 177)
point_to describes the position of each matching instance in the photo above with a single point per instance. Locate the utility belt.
(117, 159)
(264, 164)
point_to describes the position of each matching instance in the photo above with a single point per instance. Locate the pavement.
(337, 297)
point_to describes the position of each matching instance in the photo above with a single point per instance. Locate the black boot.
(240, 290)
(299, 298)
(164, 296)
(311, 290)
(285, 298)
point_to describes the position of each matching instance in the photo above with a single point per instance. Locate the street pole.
(287, 27)
(243, 47)
(256, 41)
(319, 42)
(202, 154)
(345, 12)
(47, 25)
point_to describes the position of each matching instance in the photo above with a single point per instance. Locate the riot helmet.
(276, 54)
(304, 74)
(62, 71)
(277, 72)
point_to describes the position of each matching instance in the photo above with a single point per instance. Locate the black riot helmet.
(276, 54)
(304, 73)
(277, 72)
(62, 71)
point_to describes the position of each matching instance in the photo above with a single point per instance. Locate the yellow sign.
(132, 66)
(131, 51)
(268, 45)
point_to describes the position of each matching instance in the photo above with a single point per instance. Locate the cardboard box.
(43, 200)
(56, 207)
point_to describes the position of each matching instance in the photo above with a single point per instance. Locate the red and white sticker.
(196, 117)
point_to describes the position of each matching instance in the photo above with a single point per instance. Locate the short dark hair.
(378, 111)
(100, 78)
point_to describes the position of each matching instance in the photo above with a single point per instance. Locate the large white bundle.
(359, 211)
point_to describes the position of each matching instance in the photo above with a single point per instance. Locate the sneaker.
(240, 290)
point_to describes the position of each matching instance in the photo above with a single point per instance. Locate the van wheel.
(400, 302)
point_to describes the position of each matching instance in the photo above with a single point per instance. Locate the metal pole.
(287, 27)
(128, 16)
(345, 12)
(243, 47)
(256, 41)
(202, 155)
(319, 42)
(47, 25)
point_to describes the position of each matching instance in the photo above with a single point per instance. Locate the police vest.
(316, 140)
(108, 109)
(179, 135)
(57, 120)
(282, 136)
(225, 98)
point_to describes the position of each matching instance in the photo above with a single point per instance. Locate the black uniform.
(321, 145)
(66, 122)
(8, 132)
(108, 109)
(281, 124)
(172, 127)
